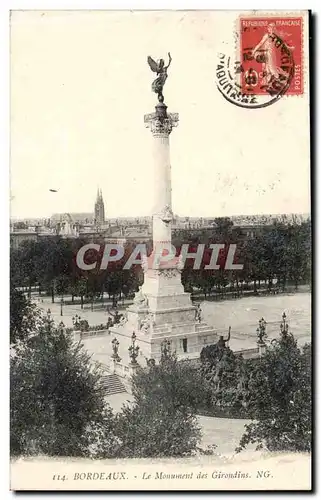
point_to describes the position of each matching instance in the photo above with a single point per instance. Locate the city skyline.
(75, 124)
(92, 215)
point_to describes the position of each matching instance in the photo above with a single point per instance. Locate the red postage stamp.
(271, 55)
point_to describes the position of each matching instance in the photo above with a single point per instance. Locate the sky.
(80, 86)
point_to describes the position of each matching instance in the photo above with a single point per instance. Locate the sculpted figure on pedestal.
(166, 215)
(198, 313)
(161, 70)
(140, 299)
(222, 341)
(147, 323)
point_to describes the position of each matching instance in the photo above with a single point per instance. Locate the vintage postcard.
(160, 239)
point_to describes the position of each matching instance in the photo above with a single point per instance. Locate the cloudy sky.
(80, 85)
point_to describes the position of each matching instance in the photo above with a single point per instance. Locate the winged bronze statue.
(161, 70)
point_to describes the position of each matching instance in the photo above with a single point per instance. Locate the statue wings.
(152, 64)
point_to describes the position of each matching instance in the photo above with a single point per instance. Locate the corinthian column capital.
(161, 122)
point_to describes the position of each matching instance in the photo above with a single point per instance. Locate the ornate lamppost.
(115, 356)
(261, 332)
(61, 327)
(198, 313)
(76, 320)
(284, 327)
(133, 350)
(49, 321)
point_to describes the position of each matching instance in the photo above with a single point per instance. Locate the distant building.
(80, 217)
(68, 228)
(33, 233)
(99, 209)
(89, 226)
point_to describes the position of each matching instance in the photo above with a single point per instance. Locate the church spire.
(99, 207)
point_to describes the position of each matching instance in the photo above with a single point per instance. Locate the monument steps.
(112, 384)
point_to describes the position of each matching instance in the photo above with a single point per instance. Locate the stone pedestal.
(262, 348)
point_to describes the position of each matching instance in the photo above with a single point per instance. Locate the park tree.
(279, 397)
(298, 253)
(57, 400)
(281, 252)
(275, 244)
(161, 421)
(24, 262)
(79, 288)
(56, 265)
(223, 228)
(23, 315)
(62, 284)
(17, 278)
(43, 262)
(256, 261)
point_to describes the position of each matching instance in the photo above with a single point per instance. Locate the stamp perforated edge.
(304, 39)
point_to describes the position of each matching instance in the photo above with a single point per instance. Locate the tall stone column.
(162, 280)
(161, 124)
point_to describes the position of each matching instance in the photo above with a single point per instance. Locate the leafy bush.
(161, 421)
(57, 400)
(280, 399)
(23, 316)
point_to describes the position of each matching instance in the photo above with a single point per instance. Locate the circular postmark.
(261, 78)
